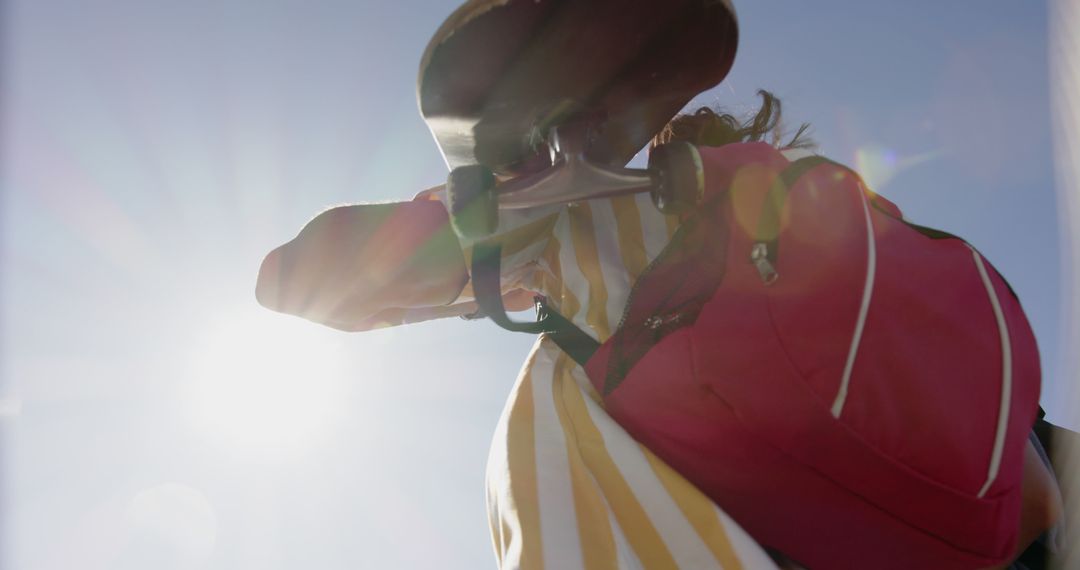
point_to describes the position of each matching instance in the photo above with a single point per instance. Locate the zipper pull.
(656, 321)
(759, 256)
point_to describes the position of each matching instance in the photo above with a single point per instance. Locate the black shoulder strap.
(768, 229)
(486, 270)
(487, 262)
(769, 223)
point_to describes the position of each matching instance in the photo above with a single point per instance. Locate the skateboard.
(536, 102)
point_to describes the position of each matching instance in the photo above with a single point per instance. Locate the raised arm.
(368, 266)
(351, 262)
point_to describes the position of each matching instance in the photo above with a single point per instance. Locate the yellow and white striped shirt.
(567, 487)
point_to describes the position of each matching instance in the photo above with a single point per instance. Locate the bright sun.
(265, 381)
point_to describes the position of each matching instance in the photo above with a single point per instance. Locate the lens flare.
(878, 165)
(10, 407)
(1065, 98)
(176, 520)
(262, 380)
(1064, 400)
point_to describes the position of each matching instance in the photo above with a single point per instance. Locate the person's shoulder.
(722, 165)
(797, 153)
(740, 154)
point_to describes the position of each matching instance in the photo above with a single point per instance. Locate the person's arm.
(351, 262)
(368, 266)
(1041, 505)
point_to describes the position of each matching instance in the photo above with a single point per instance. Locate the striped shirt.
(567, 487)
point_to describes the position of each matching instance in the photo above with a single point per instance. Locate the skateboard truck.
(504, 82)
(673, 178)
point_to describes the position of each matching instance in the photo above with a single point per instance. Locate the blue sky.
(154, 416)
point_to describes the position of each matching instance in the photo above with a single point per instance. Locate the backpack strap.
(767, 246)
(487, 256)
(769, 223)
(486, 278)
(486, 275)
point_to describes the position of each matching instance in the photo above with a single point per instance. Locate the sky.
(153, 416)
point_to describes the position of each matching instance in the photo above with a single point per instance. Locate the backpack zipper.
(759, 256)
(673, 244)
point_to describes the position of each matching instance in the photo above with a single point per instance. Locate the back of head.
(708, 127)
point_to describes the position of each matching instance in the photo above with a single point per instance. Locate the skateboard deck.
(499, 74)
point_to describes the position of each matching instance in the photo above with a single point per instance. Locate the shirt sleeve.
(524, 234)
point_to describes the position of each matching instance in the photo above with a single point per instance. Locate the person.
(567, 486)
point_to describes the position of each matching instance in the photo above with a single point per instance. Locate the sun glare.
(262, 380)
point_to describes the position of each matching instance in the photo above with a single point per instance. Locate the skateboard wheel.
(678, 177)
(473, 206)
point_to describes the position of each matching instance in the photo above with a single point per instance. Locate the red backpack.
(854, 390)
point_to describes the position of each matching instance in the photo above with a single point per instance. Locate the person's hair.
(708, 127)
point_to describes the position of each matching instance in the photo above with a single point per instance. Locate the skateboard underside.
(499, 74)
